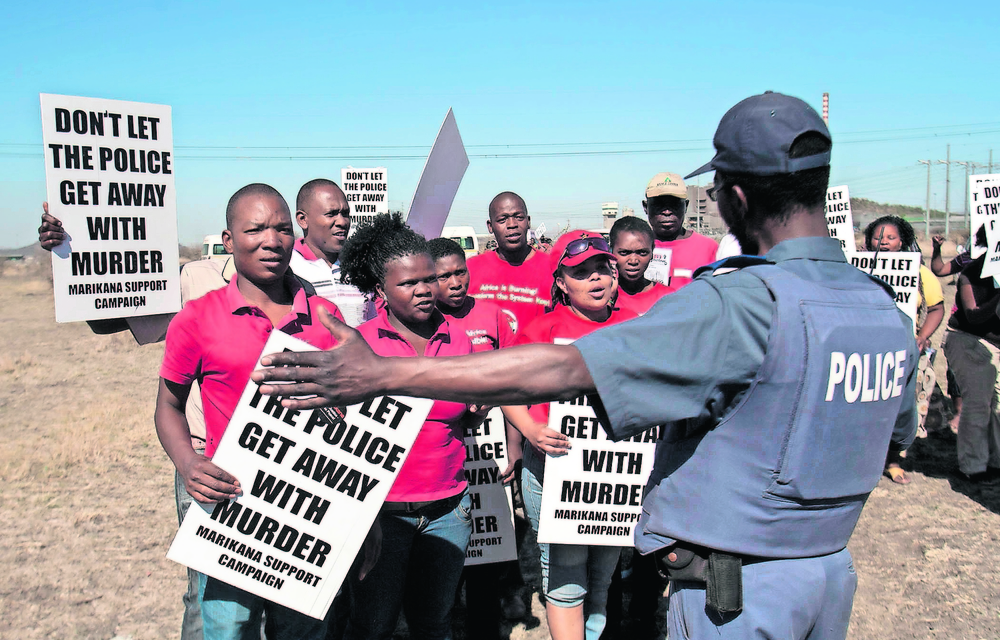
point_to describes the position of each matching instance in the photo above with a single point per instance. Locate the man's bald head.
(255, 189)
(307, 190)
(504, 197)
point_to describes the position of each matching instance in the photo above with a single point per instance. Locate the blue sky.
(368, 84)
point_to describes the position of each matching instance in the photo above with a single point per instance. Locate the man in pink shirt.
(679, 252)
(216, 340)
(515, 276)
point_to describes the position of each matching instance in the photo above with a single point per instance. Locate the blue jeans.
(191, 624)
(423, 554)
(229, 613)
(572, 574)
(806, 598)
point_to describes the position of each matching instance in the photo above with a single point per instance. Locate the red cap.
(559, 249)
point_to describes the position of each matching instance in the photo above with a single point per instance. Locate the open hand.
(346, 374)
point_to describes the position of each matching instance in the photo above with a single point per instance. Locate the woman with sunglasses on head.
(892, 233)
(426, 519)
(575, 578)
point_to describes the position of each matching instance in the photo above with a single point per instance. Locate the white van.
(465, 237)
(213, 249)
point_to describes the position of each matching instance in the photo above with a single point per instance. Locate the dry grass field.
(87, 506)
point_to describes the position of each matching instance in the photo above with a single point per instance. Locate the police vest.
(786, 472)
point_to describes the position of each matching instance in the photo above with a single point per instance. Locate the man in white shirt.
(325, 219)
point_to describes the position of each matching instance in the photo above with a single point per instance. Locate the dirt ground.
(87, 506)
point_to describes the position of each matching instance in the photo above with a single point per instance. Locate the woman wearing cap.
(892, 233)
(575, 578)
(426, 520)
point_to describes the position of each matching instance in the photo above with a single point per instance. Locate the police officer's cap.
(754, 137)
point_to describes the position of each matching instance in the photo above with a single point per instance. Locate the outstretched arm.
(350, 373)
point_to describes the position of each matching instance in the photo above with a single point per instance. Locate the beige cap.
(666, 184)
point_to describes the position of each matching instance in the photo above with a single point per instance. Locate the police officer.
(782, 382)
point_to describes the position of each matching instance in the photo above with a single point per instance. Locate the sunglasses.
(580, 246)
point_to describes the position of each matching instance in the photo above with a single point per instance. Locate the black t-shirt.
(984, 291)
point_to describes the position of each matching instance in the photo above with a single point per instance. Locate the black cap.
(754, 137)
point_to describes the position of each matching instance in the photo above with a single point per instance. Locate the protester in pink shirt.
(216, 340)
(575, 578)
(679, 252)
(493, 588)
(515, 276)
(632, 245)
(426, 520)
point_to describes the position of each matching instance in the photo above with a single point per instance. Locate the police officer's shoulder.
(732, 263)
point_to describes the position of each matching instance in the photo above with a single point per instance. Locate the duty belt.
(720, 572)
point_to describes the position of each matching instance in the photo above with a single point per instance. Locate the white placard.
(984, 202)
(839, 219)
(593, 494)
(367, 192)
(659, 265)
(492, 506)
(109, 176)
(313, 483)
(899, 269)
(439, 181)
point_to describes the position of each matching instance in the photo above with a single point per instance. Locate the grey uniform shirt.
(697, 350)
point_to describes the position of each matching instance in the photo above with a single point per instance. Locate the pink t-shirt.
(218, 338)
(525, 290)
(487, 325)
(435, 468)
(675, 261)
(563, 326)
(642, 302)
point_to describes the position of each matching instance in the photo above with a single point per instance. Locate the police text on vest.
(861, 380)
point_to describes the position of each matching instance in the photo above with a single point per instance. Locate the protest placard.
(313, 483)
(659, 265)
(984, 202)
(109, 176)
(492, 506)
(367, 192)
(439, 181)
(900, 270)
(593, 494)
(839, 219)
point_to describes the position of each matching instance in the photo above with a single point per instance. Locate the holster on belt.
(721, 573)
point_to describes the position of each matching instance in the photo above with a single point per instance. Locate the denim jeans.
(191, 624)
(229, 613)
(418, 572)
(572, 574)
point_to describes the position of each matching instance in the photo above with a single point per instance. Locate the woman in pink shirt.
(575, 578)
(426, 519)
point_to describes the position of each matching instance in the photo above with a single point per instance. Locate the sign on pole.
(109, 176)
(839, 219)
(439, 181)
(492, 506)
(313, 483)
(899, 269)
(367, 192)
(593, 494)
(984, 200)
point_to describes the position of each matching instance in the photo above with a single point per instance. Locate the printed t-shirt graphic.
(488, 326)
(675, 261)
(524, 290)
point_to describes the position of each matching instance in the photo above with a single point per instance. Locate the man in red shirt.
(216, 340)
(515, 276)
(679, 252)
